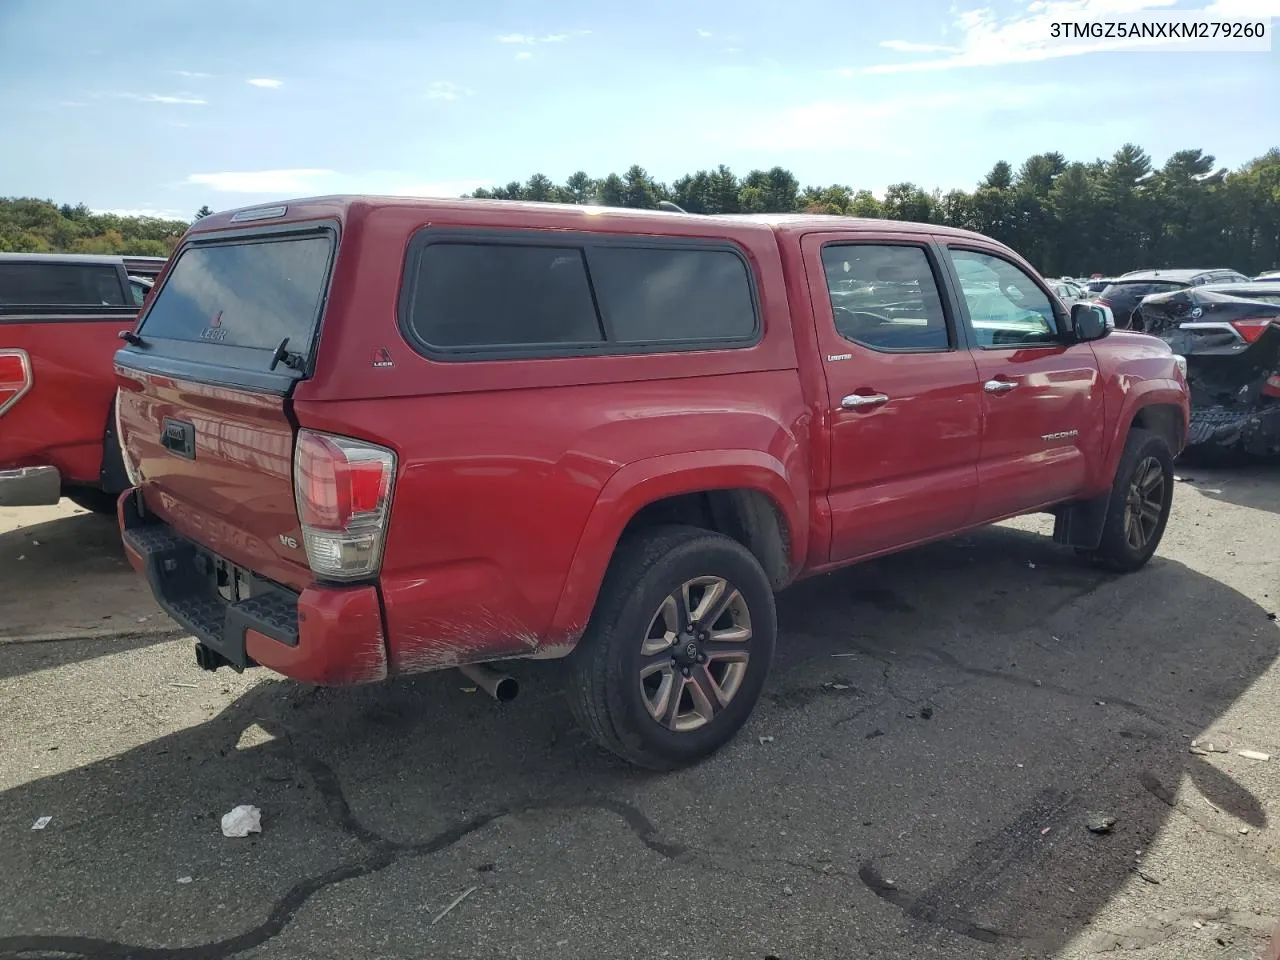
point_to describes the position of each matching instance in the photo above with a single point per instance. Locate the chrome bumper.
(30, 487)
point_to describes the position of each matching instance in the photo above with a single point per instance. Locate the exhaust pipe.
(501, 686)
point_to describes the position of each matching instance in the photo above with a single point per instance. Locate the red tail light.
(1252, 328)
(1272, 387)
(1104, 303)
(343, 492)
(15, 378)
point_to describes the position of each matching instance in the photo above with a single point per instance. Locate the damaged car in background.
(1230, 337)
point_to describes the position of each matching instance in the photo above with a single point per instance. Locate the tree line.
(1073, 218)
(28, 225)
(1067, 218)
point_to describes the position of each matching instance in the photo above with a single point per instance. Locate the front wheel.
(1141, 499)
(677, 650)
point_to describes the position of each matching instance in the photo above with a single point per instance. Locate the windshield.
(249, 293)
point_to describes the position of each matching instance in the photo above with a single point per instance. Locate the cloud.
(524, 55)
(182, 97)
(193, 74)
(166, 214)
(311, 181)
(440, 188)
(266, 83)
(885, 125)
(704, 34)
(72, 103)
(529, 39)
(985, 39)
(444, 90)
(298, 180)
(906, 46)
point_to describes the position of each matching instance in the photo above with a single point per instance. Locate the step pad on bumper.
(185, 579)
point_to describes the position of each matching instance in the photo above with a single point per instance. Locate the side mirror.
(1091, 321)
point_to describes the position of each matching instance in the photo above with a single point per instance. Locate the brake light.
(1272, 387)
(342, 488)
(1104, 303)
(15, 378)
(1252, 328)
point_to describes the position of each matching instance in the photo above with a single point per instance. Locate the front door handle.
(998, 386)
(864, 401)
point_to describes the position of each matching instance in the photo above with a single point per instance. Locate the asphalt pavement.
(940, 729)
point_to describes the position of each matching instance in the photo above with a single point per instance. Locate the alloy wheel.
(694, 655)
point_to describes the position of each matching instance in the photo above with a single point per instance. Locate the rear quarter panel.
(503, 464)
(62, 420)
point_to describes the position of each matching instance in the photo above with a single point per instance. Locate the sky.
(164, 107)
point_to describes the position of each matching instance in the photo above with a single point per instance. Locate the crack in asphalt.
(384, 852)
(932, 654)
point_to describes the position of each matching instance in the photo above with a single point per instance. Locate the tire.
(92, 499)
(1144, 479)
(652, 574)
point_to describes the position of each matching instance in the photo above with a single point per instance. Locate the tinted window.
(1265, 297)
(1006, 307)
(1140, 288)
(245, 294)
(73, 284)
(885, 298)
(488, 295)
(139, 291)
(652, 295)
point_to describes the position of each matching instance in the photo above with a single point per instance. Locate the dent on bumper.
(30, 487)
(329, 635)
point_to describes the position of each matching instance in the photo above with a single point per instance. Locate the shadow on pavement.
(915, 782)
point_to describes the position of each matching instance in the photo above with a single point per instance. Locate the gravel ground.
(917, 782)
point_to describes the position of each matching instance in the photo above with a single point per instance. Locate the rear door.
(1042, 399)
(204, 399)
(902, 393)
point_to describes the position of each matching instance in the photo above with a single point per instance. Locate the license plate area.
(228, 581)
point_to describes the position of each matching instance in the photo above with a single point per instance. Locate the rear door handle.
(864, 401)
(998, 386)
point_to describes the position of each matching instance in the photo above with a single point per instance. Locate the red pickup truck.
(375, 436)
(60, 317)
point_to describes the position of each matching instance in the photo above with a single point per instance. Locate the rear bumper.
(324, 635)
(30, 487)
(1251, 431)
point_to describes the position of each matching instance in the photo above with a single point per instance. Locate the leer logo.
(381, 358)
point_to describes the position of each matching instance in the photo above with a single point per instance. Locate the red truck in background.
(60, 320)
(372, 436)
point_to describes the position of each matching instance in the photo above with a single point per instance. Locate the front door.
(903, 401)
(1041, 396)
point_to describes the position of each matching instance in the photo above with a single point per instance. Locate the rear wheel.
(677, 650)
(1141, 499)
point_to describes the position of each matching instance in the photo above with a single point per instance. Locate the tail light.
(343, 492)
(1252, 328)
(15, 378)
(1104, 303)
(1272, 387)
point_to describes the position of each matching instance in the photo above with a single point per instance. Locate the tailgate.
(204, 408)
(217, 464)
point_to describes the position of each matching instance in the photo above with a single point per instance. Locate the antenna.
(669, 207)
